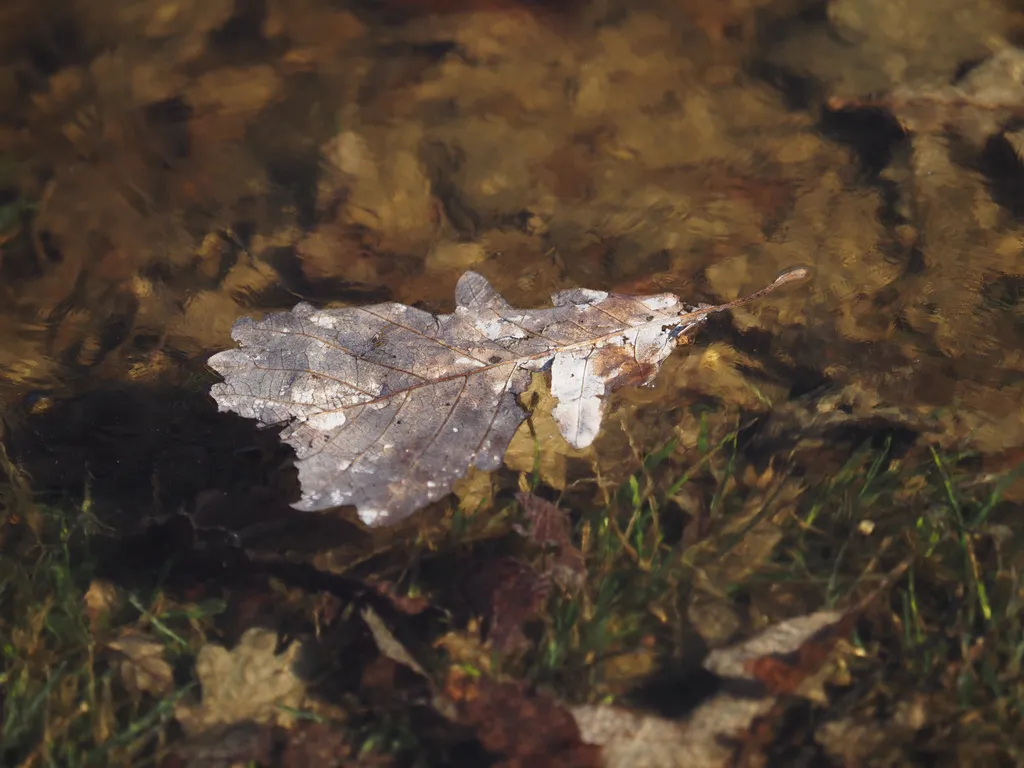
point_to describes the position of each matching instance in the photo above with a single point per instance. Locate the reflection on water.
(166, 168)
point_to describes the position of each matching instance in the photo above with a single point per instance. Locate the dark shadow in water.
(288, 265)
(1004, 170)
(799, 92)
(181, 494)
(442, 163)
(241, 36)
(793, 742)
(139, 447)
(675, 693)
(56, 44)
(873, 134)
(175, 555)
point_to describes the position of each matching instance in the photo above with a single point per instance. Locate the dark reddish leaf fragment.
(410, 605)
(316, 744)
(516, 593)
(550, 527)
(527, 730)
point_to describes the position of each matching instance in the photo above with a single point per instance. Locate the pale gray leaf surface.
(708, 736)
(387, 406)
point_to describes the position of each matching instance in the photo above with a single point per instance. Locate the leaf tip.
(792, 275)
(474, 290)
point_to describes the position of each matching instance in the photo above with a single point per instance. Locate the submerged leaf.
(388, 644)
(142, 665)
(788, 658)
(551, 528)
(709, 736)
(251, 682)
(387, 406)
(517, 726)
(515, 593)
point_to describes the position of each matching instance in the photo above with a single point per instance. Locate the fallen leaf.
(523, 728)
(387, 405)
(101, 599)
(141, 664)
(377, 674)
(858, 739)
(255, 744)
(388, 644)
(551, 527)
(249, 682)
(541, 449)
(787, 658)
(317, 744)
(407, 604)
(709, 736)
(475, 491)
(226, 746)
(515, 593)
(465, 648)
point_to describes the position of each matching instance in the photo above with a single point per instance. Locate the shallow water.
(221, 164)
(169, 168)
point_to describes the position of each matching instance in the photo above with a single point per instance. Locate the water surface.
(168, 168)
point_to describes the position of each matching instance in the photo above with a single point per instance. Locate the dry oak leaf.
(251, 682)
(387, 406)
(141, 664)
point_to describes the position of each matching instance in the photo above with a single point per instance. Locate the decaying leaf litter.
(193, 168)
